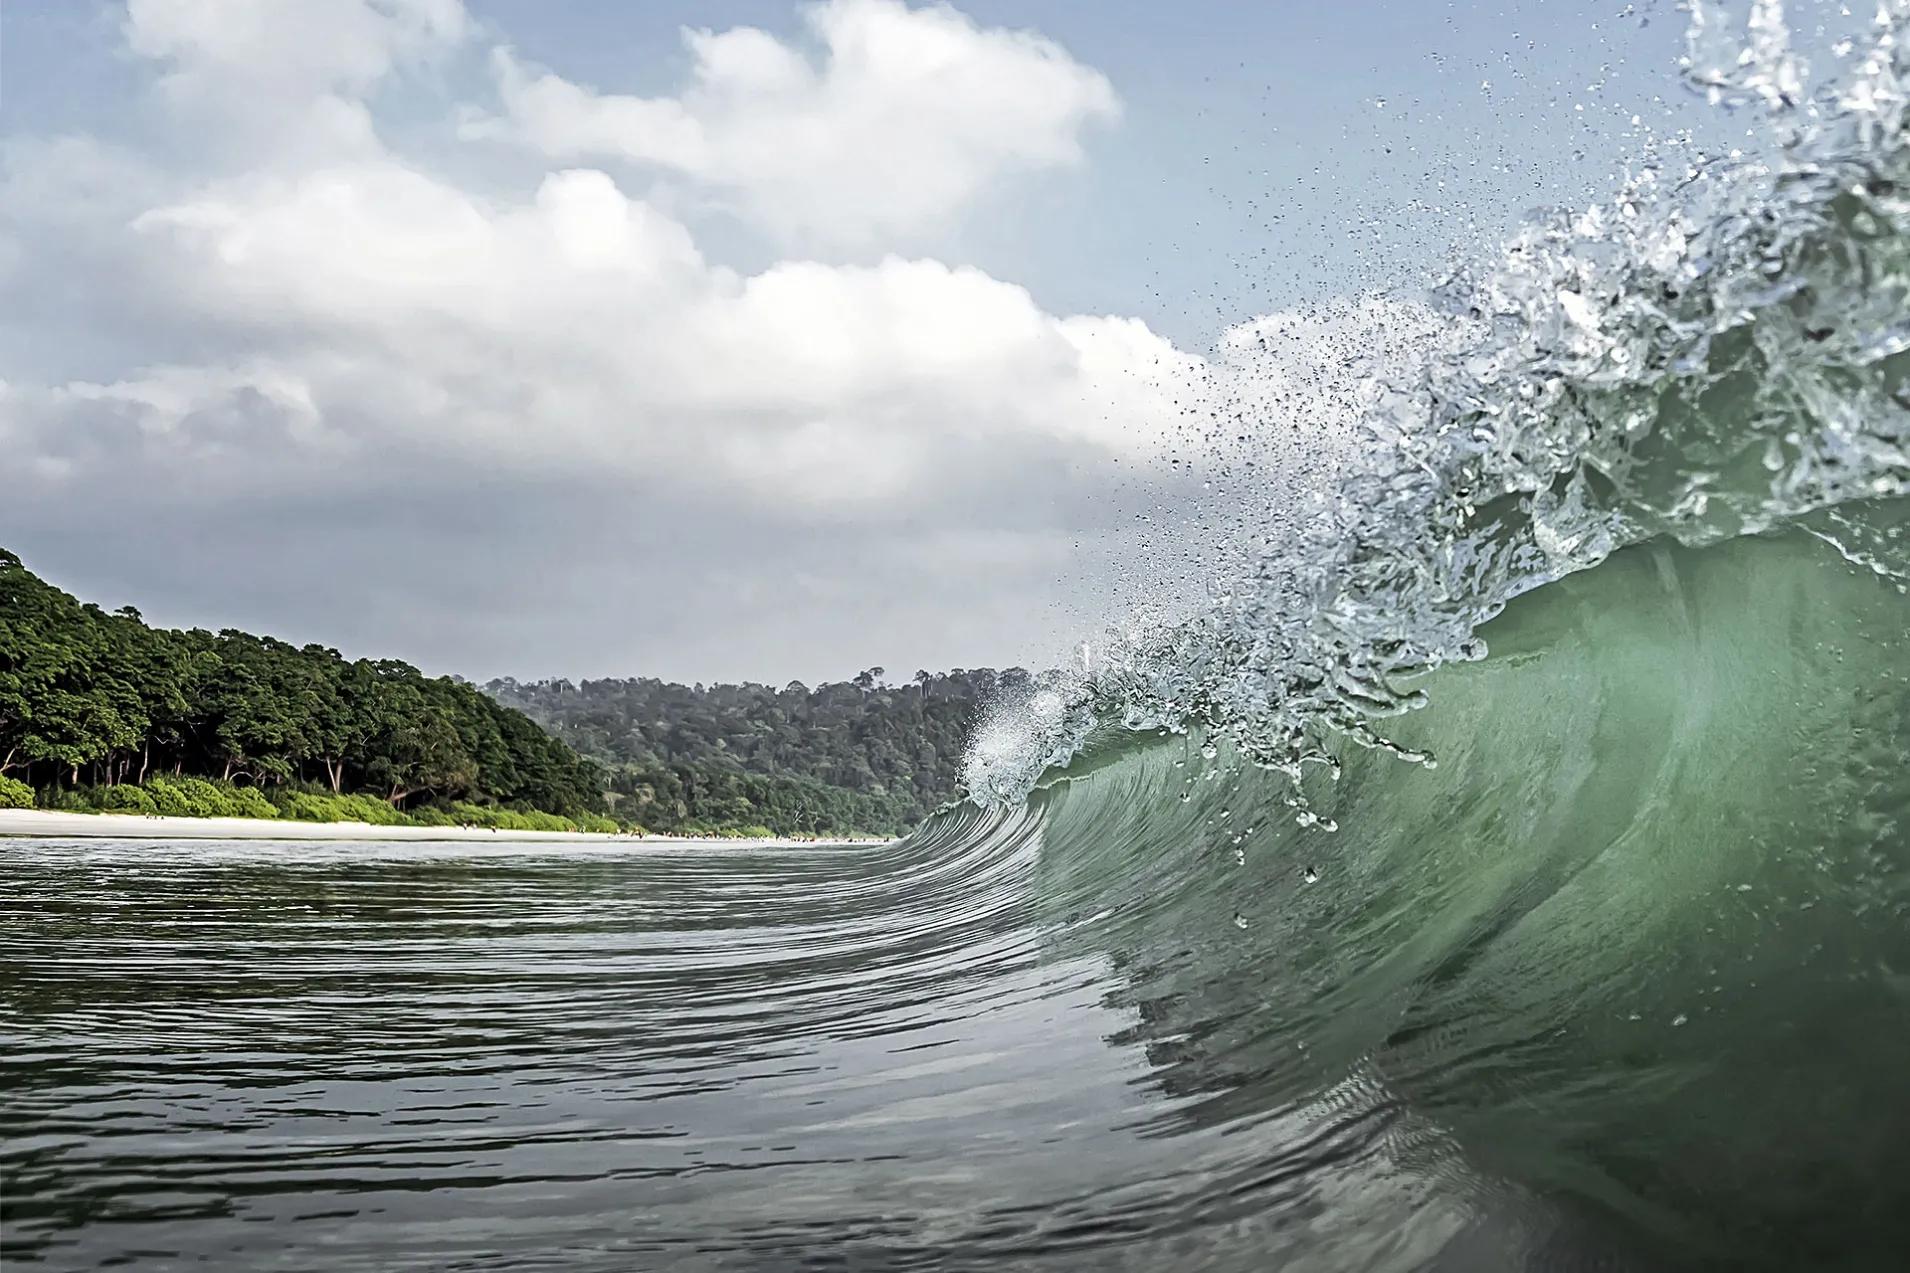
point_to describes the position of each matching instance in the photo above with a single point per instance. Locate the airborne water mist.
(1718, 349)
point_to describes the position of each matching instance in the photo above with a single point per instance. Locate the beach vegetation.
(228, 724)
(15, 794)
(822, 760)
(100, 711)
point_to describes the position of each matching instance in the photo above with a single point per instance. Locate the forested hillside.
(99, 701)
(861, 754)
(98, 710)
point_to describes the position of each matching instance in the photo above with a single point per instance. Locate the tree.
(87, 694)
(843, 756)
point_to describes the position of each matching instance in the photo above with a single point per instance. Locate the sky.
(715, 340)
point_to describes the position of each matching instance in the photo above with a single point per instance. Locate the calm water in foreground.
(398, 1056)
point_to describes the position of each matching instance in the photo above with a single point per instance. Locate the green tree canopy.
(98, 698)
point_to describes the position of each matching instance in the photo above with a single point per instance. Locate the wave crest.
(1719, 349)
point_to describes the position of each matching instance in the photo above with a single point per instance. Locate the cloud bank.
(907, 118)
(282, 344)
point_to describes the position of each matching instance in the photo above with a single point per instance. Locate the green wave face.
(1521, 817)
(1637, 945)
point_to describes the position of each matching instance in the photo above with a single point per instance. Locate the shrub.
(464, 813)
(597, 824)
(211, 796)
(301, 805)
(197, 798)
(250, 802)
(15, 794)
(379, 813)
(467, 814)
(315, 806)
(122, 798)
(173, 798)
(493, 816)
(168, 797)
(432, 816)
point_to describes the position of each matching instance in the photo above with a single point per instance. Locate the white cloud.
(908, 119)
(290, 47)
(275, 81)
(305, 326)
(578, 325)
(582, 328)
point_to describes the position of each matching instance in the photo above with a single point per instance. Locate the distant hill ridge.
(858, 754)
(99, 711)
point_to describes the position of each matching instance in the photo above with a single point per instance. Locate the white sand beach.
(43, 824)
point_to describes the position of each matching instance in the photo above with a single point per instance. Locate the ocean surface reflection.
(401, 1056)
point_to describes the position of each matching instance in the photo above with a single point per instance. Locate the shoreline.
(53, 824)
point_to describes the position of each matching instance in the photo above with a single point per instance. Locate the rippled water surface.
(394, 1056)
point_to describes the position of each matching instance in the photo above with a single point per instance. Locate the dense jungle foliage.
(856, 755)
(99, 711)
(93, 702)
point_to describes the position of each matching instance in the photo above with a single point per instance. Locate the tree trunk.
(145, 760)
(8, 762)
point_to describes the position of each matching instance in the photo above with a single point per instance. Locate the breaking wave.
(1721, 349)
(1526, 809)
